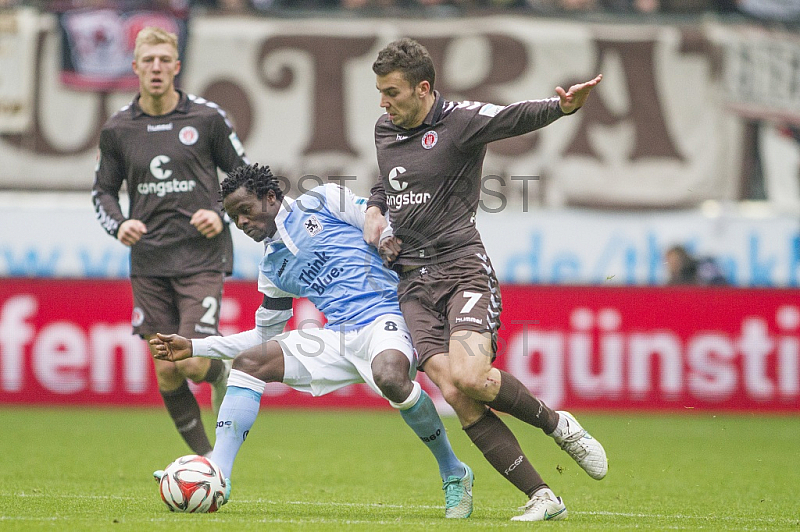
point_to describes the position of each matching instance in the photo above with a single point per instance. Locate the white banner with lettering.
(302, 95)
(19, 30)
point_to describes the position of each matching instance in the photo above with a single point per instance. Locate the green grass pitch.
(89, 469)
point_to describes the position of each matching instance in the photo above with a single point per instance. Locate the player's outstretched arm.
(576, 96)
(170, 347)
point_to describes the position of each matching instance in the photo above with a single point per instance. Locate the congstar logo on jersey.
(162, 187)
(398, 201)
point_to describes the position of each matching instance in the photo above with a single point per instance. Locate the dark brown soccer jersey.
(431, 175)
(170, 165)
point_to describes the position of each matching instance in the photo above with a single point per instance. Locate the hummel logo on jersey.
(313, 226)
(159, 127)
(401, 137)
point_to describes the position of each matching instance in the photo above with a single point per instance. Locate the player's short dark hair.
(408, 57)
(254, 178)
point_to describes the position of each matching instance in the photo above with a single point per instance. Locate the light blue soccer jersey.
(320, 254)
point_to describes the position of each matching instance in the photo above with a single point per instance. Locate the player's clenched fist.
(131, 231)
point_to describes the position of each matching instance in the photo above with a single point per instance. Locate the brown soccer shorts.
(439, 300)
(187, 305)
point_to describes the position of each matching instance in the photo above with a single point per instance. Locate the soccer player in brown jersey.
(166, 146)
(430, 155)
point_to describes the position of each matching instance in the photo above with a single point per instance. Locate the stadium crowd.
(782, 11)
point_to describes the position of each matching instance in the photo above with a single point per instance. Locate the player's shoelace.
(573, 445)
(453, 491)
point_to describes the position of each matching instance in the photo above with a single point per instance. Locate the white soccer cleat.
(543, 506)
(585, 450)
(220, 386)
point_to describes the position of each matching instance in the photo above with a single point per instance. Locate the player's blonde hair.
(154, 35)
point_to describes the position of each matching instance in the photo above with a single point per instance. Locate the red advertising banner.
(622, 348)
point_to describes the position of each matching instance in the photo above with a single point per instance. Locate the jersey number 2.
(211, 304)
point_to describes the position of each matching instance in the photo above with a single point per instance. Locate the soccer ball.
(192, 483)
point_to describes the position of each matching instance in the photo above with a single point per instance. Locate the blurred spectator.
(683, 268)
(646, 6)
(667, 6)
(361, 4)
(630, 6)
(771, 10)
(226, 6)
(578, 5)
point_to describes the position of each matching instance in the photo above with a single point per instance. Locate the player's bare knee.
(194, 369)
(260, 368)
(168, 372)
(264, 362)
(469, 383)
(394, 386)
(450, 393)
(390, 371)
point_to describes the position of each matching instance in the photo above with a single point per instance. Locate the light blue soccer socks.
(237, 414)
(420, 414)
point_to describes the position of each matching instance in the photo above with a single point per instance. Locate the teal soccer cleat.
(227, 491)
(458, 495)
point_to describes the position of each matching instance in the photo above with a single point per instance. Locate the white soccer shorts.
(320, 361)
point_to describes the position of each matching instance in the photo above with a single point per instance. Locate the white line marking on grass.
(27, 518)
(65, 496)
(633, 515)
(345, 504)
(760, 519)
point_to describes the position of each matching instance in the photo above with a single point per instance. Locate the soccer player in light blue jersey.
(314, 249)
